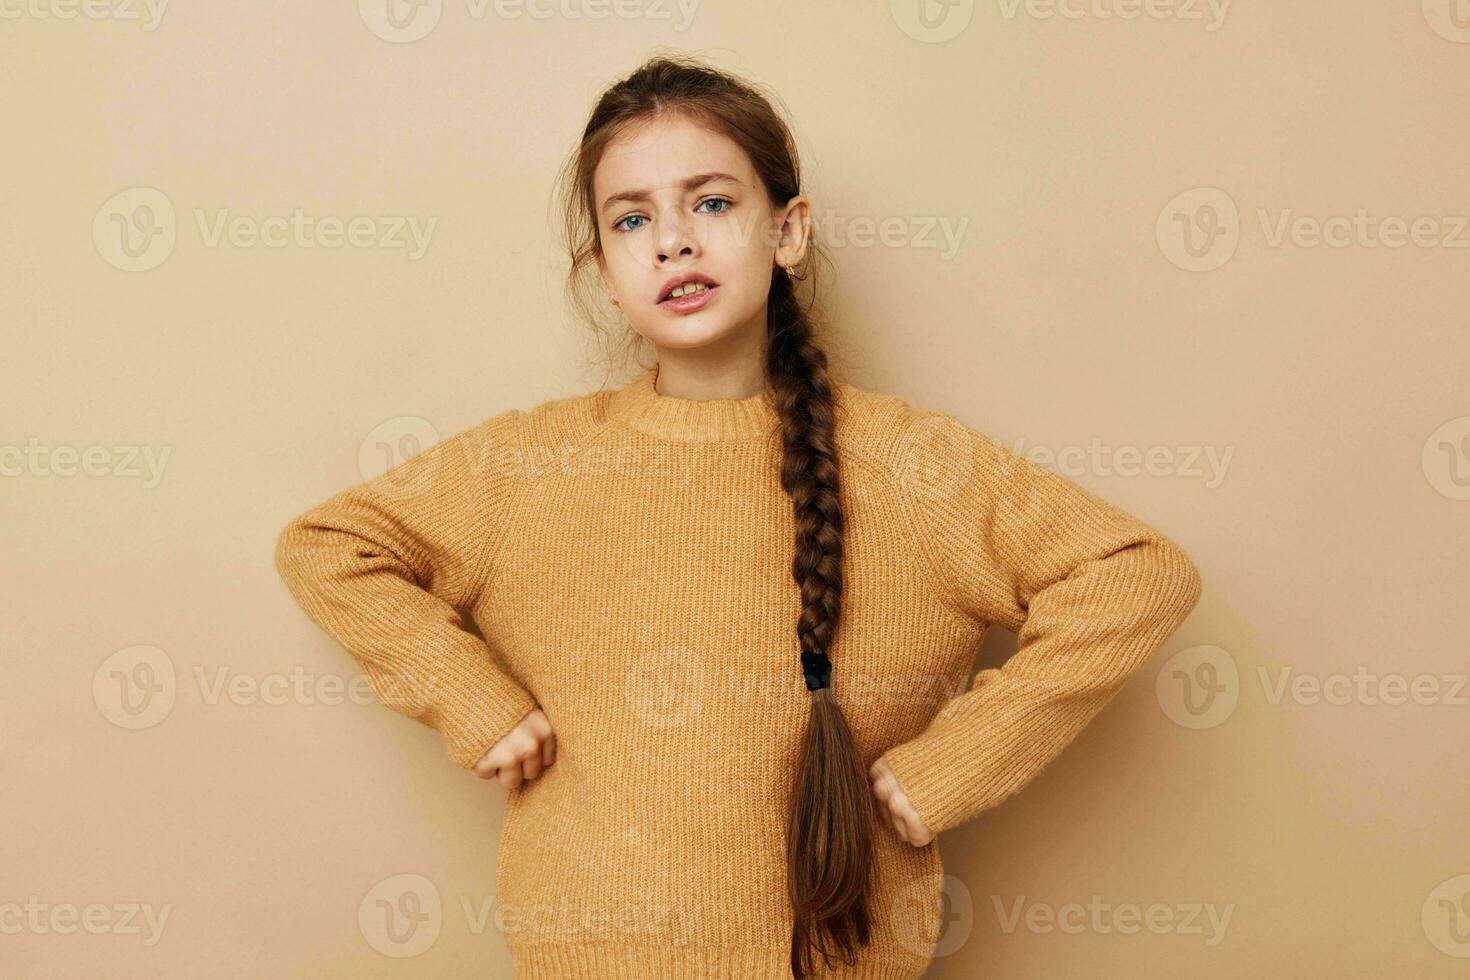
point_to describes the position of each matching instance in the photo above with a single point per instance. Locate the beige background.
(1326, 383)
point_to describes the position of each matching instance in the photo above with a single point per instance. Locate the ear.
(795, 223)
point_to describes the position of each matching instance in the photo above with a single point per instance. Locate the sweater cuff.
(474, 703)
(949, 779)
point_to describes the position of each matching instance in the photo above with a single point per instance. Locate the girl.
(728, 609)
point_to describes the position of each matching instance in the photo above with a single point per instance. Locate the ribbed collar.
(641, 405)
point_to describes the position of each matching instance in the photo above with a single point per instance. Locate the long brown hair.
(830, 820)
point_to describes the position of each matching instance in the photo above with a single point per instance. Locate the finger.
(498, 756)
(913, 825)
(904, 810)
(531, 765)
(537, 724)
(509, 749)
(898, 826)
(510, 776)
(548, 749)
(486, 765)
(916, 832)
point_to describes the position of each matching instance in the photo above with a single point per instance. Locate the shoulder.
(902, 439)
(511, 438)
(551, 432)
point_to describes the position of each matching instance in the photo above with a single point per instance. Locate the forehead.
(656, 154)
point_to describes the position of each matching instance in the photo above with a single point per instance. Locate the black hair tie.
(818, 670)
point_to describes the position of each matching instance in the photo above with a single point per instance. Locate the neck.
(729, 370)
(692, 419)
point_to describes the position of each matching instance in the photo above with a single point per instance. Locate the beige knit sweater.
(627, 557)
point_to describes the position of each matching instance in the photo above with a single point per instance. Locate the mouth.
(684, 294)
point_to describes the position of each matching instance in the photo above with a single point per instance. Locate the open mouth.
(691, 294)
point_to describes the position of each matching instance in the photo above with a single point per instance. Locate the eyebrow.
(688, 183)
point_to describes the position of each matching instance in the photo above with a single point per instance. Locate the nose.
(676, 237)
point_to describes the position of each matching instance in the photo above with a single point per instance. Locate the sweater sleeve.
(1090, 591)
(384, 567)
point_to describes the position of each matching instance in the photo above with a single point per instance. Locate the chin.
(688, 331)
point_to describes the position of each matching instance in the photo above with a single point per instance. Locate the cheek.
(744, 257)
(747, 234)
(625, 267)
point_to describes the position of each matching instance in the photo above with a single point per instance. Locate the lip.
(688, 304)
(692, 302)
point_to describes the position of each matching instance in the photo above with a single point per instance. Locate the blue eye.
(728, 204)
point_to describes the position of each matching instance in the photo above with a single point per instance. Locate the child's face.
(724, 228)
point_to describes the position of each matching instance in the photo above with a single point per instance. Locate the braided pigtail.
(829, 828)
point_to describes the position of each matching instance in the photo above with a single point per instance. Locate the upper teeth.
(686, 289)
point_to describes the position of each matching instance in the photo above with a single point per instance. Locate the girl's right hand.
(522, 754)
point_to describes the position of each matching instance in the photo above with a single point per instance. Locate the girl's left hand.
(893, 804)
